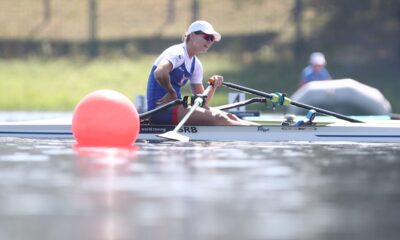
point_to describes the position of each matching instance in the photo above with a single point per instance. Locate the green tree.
(371, 25)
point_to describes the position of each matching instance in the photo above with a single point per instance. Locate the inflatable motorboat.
(344, 96)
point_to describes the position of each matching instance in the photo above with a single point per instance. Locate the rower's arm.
(161, 74)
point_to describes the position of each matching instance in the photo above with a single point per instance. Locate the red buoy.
(105, 118)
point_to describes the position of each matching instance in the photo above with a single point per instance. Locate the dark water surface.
(50, 189)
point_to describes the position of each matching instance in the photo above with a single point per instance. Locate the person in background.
(178, 65)
(316, 71)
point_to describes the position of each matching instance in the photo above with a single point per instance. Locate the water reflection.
(57, 190)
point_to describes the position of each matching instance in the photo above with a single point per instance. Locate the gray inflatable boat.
(344, 96)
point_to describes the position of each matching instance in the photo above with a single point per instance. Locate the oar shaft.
(243, 103)
(160, 108)
(294, 103)
(249, 90)
(320, 110)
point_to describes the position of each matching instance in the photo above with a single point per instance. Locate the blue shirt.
(309, 75)
(184, 69)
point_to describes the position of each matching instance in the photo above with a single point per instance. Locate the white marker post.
(234, 97)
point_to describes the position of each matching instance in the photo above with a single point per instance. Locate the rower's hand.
(218, 80)
(167, 98)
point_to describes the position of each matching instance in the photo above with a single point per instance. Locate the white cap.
(205, 27)
(317, 58)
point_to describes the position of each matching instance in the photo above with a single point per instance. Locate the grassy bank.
(37, 84)
(59, 84)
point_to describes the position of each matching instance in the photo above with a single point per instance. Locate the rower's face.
(202, 41)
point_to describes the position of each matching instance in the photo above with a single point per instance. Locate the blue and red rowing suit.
(183, 69)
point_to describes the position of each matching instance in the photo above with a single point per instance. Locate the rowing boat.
(388, 132)
(346, 128)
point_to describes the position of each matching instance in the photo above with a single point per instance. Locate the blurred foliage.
(358, 29)
(360, 39)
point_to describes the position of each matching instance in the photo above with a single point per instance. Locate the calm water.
(50, 189)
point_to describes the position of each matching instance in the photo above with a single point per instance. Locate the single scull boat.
(353, 130)
(339, 131)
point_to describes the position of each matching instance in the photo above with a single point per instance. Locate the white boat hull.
(341, 131)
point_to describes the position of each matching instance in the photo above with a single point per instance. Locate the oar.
(242, 103)
(286, 101)
(174, 135)
(160, 108)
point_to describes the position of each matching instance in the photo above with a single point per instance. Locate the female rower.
(172, 70)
